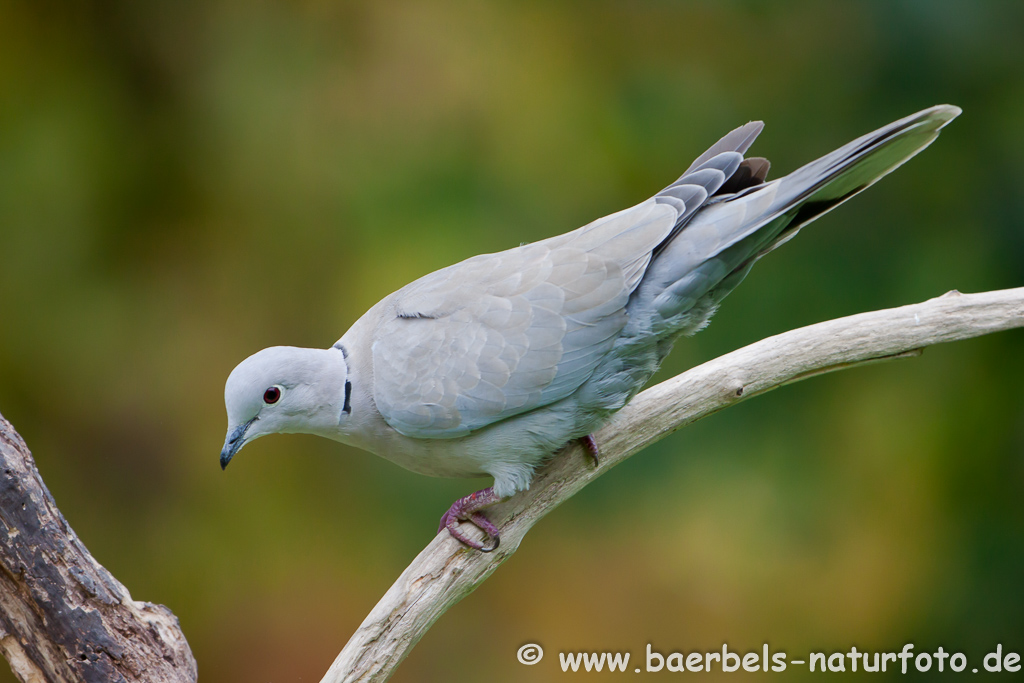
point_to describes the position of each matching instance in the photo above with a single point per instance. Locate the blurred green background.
(183, 183)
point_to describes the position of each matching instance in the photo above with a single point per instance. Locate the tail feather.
(824, 184)
(711, 254)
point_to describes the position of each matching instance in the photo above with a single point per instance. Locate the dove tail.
(822, 185)
(712, 253)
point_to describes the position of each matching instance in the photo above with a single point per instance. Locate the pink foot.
(468, 509)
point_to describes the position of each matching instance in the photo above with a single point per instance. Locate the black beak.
(234, 442)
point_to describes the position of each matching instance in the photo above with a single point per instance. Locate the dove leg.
(589, 444)
(468, 509)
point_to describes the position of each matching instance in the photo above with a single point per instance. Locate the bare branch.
(63, 617)
(445, 571)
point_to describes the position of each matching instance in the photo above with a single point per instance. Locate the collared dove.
(490, 366)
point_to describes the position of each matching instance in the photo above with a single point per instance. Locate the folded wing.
(502, 334)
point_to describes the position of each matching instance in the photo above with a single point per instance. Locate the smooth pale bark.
(446, 571)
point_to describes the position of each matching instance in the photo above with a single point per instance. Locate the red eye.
(271, 395)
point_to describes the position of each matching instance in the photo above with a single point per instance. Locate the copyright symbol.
(530, 654)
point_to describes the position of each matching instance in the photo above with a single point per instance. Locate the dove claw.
(467, 509)
(589, 444)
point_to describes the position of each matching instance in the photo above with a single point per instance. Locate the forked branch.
(445, 571)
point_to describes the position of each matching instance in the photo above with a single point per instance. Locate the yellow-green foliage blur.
(183, 183)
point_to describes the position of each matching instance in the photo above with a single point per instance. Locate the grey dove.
(490, 366)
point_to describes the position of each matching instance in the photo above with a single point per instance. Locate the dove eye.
(271, 395)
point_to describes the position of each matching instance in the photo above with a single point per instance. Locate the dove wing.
(502, 334)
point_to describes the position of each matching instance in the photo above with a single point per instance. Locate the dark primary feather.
(752, 171)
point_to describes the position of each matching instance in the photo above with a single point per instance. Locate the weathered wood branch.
(445, 571)
(63, 617)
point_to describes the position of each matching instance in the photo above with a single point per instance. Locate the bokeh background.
(183, 183)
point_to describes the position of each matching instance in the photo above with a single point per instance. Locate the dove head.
(285, 389)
